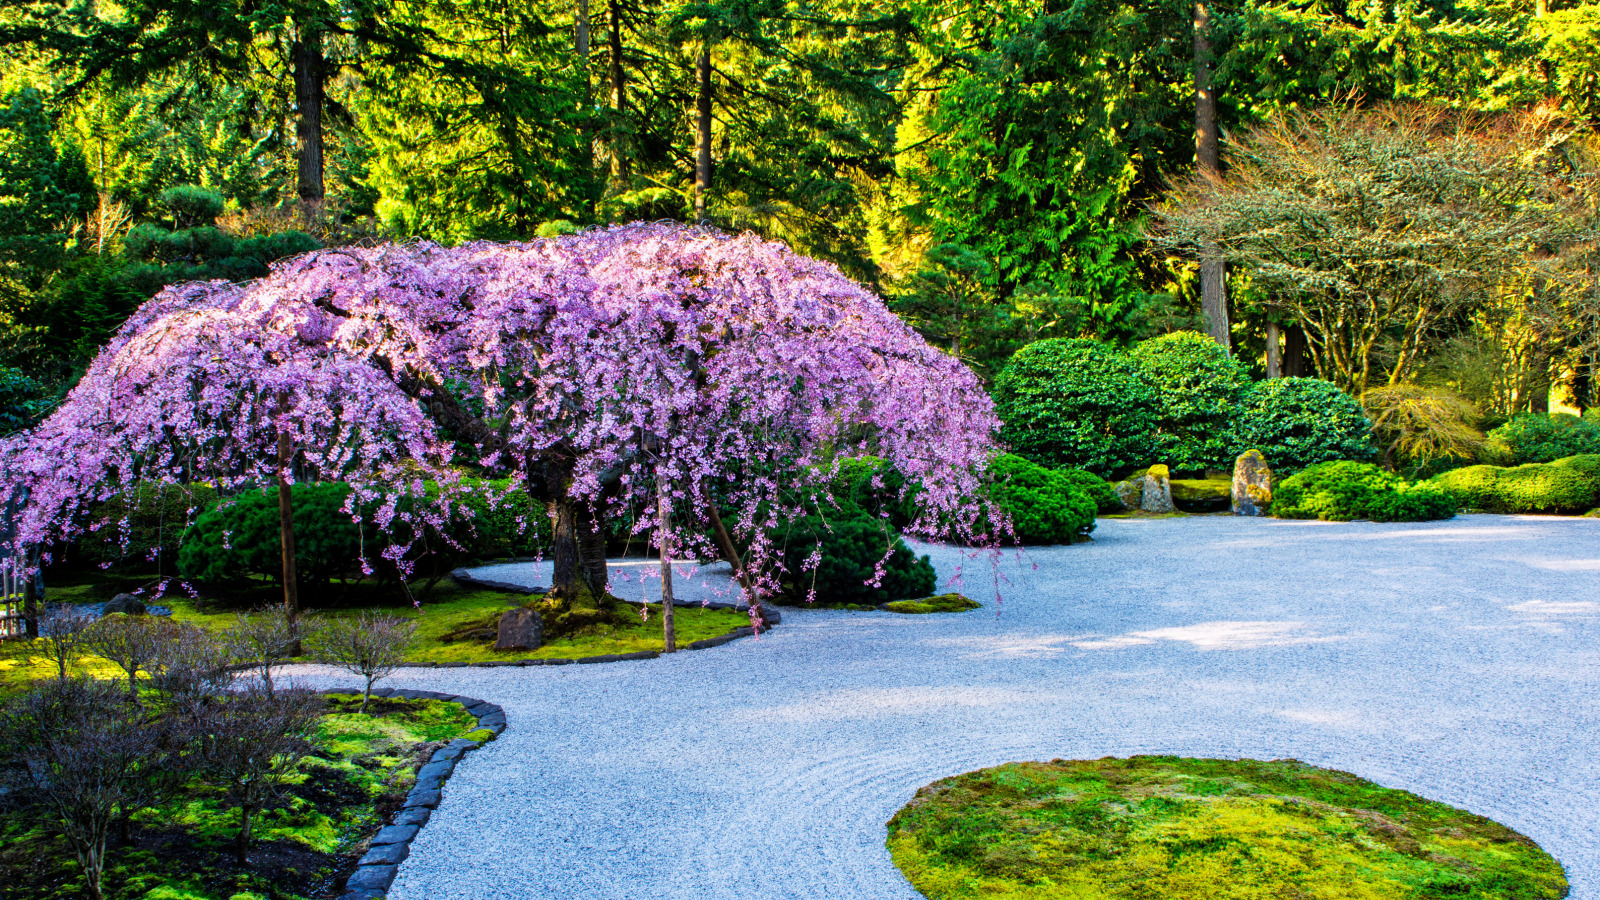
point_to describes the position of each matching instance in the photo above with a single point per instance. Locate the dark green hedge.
(1299, 422)
(853, 542)
(1045, 506)
(1079, 403)
(1566, 486)
(1542, 438)
(1198, 390)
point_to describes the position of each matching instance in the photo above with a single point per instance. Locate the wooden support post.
(664, 537)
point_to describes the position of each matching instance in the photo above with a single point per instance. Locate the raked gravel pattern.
(1455, 659)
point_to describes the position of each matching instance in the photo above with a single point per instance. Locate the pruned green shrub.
(1299, 422)
(1345, 490)
(1542, 438)
(144, 523)
(1077, 403)
(239, 539)
(1473, 487)
(1045, 506)
(873, 484)
(853, 545)
(1099, 490)
(1567, 486)
(1199, 387)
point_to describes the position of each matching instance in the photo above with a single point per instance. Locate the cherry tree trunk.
(291, 588)
(669, 630)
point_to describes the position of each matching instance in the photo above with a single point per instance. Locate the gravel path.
(1454, 659)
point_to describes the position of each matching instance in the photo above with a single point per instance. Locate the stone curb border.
(770, 617)
(376, 871)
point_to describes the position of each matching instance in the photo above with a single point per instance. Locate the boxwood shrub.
(1099, 490)
(1045, 506)
(1299, 422)
(1068, 402)
(1570, 485)
(853, 543)
(1199, 387)
(1345, 490)
(1542, 438)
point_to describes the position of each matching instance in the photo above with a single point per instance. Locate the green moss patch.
(308, 839)
(1184, 829)
(944, 603)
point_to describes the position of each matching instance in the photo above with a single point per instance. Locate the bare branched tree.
(62, 634)
(93, 758)
(250, 741)
(191, 665)
(264, 639)
(132, 642)
(371, 645)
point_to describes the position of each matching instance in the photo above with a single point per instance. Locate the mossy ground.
(944, 603)
(309, 839)
(450, 608)
(1186, 829)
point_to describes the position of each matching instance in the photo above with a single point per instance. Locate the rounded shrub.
(145, 522)
(1473, 487)
(1299, 422)
(1199, 387)
(1099, 490)
(239, 538)
(1542, 438)
(854, 544)
(876, 486)
(1045, 506)
(1566, 486)
(1080, 403)
(1345, 490)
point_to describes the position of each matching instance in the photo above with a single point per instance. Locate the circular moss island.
(1165, 827)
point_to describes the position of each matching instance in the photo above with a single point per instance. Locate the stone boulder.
(1156, 496)
(1130, 491)
(1252, 484)
(127, 604)
(520, 629)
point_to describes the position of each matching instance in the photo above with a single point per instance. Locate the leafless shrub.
(62, 633)
(190, 665)
(92, 758)
(250, 740)
(371, 645)
(264, 639)
(132, 642)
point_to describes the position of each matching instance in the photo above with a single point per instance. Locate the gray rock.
(417, 815)
(395, 834)
(385, 855)
(1156, 496)
(1252, 484)
(520, 629)
(372, 878)
(427, 797)
(1130, 492)
(124, 603)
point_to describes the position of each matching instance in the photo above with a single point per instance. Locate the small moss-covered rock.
(1251, 488)
(1156, 495)
(1201, 494)
(944, 603)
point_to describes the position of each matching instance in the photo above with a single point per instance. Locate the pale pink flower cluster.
(636, 353)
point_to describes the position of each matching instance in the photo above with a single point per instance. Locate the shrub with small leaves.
(846, 556)
(1079, 403)
(1341, 491)
(1199, 386)
(1542, 438)
(1298, 422)
(1565, 486)
(1099, 490)
(1045, 506)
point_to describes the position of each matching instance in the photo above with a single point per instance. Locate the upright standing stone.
(1157, 496)
(520, 629)
(1130, 490)
(1252, 484)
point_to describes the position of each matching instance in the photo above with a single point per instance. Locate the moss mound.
(944, 603)
(1183, 829)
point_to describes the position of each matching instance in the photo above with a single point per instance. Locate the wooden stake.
(664, 534)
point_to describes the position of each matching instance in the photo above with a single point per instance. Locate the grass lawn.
(1185, 829)
(449, 608)
(308, 840)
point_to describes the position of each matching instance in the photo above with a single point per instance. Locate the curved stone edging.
(376, 870)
